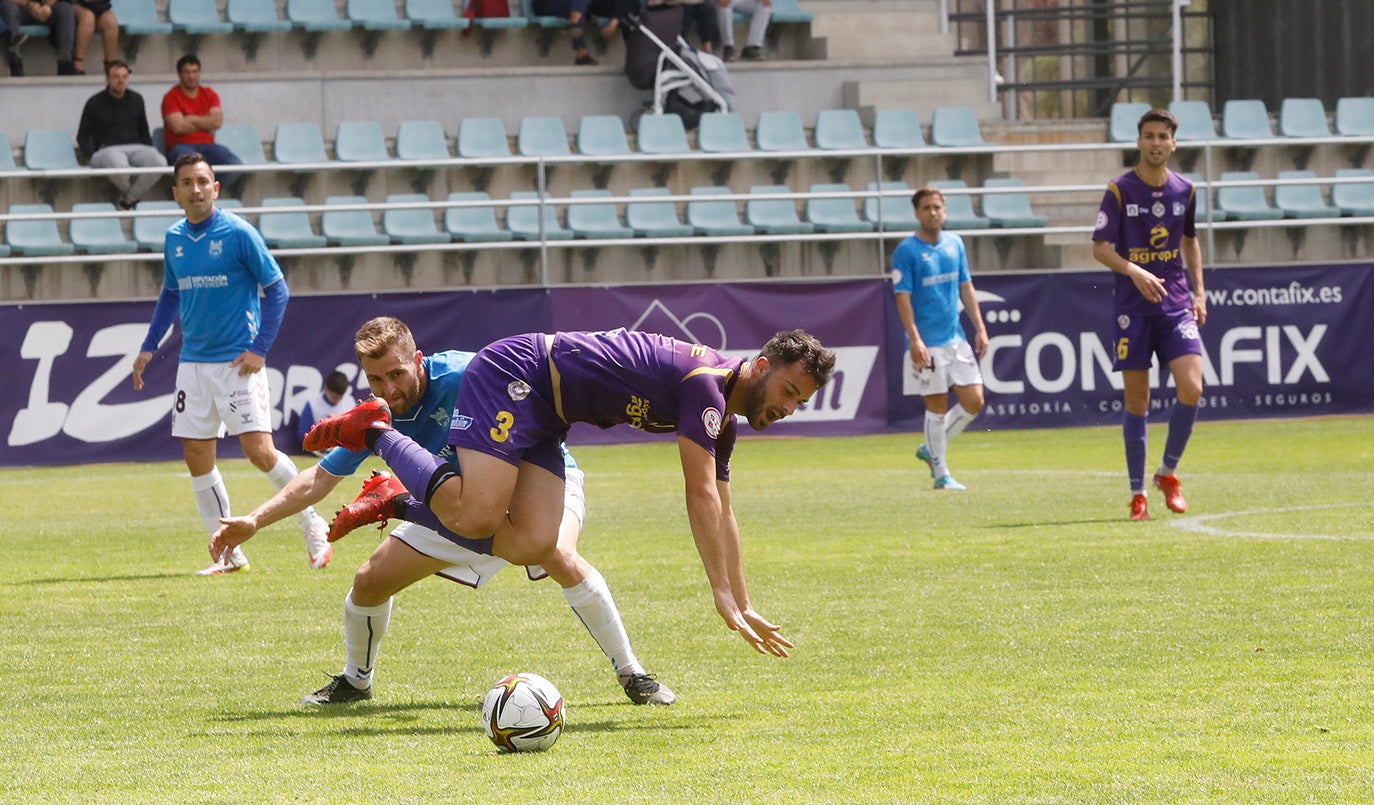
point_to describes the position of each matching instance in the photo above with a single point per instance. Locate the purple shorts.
(505, 405)
(1169, 336)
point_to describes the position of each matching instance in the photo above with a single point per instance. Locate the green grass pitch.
(1017, 643)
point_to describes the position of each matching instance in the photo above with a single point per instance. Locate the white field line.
(1199, 523)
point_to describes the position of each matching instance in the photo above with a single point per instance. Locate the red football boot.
(375, 504)
(1140, 508)
(349, 428)
(1173, 492)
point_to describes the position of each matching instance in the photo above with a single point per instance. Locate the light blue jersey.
(217, 266)
(932, 274)
(428, 422)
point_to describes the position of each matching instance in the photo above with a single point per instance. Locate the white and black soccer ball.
(523, 713)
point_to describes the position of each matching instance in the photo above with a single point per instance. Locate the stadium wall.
(1283, 341)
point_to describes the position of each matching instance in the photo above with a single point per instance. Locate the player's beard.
(755, 404)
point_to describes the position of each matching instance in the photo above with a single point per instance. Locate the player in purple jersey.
(1145, 233)
(517, 400)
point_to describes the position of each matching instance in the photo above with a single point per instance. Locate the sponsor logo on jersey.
(1132, 210)
(518, 390)
(461, 422)
(1159, 236)
(1101, 219)
(710, 419)
(1180, 208)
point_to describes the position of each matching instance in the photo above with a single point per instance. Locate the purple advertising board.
(1288, 341)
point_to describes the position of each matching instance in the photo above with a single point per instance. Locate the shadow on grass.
(1093, 521)
(104, 579)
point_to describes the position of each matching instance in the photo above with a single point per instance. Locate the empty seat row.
(1249, 120)
(1299, 200)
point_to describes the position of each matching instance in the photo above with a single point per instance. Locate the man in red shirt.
(190, 115)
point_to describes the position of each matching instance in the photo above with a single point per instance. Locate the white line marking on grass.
(1198, 523)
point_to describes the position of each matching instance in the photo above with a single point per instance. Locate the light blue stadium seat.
(411, 226)
(290, 228)
(896, 211)
(1125, 121)
(1354, 199)
(774, 216)
(197, 17)
(897, 129)
(421, 139)
(375, 15)
(523, 220)
(482, 138)
(1302, 200)
(360, 141)
(139, 18)
(38, 238)
(150, 231)
(1303, 117)
(787, 11)
(1355, 117)
(6, 154)
(255, 16)
(228, 203)
(242, 139)
(316, 16)
(715, 218)
(99, 235)
(781, 131)
(473, 224)
(722, 133)
(542, 137)
(959, 212)
(350, 227)
(662, 134)
(1246, 120)
(834, 214)
(49, 149)
(434, 15)
(602, 135)
(298, 143)
(514, 22)
(1010, 210)
(1244, 203)
(840, 130)
(596, 221)
(1201, 197)
(1194, 121)
(655, 219)
(551, 22)
(955, 127)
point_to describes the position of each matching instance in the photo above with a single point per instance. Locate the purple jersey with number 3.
(1147, 226)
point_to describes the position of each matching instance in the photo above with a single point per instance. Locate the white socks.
(936, 442)
(363, 631)
(212, 501)
(280, 475)
(956, 419)
(591, 601)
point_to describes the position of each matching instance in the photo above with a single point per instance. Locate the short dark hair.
(189, 58)
(798, 346)
(193, 158)
(1158, 116)
(113, 63)
(923, 192)
(337, 382)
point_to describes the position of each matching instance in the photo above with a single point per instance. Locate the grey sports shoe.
(644, 689)
(338, 691)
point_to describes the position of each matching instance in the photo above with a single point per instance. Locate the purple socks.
(1133, 432)
(1181, 418)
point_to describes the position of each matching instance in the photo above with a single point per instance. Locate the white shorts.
(213, 399)
(954, 365)
(475, 569)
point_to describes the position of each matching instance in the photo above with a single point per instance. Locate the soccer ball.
(523, 713)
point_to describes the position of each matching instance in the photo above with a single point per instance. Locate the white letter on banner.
(41, 418)
(1307, 353)
(93, 421)
(1057, 341)
(990, 380)
(1231, 355)
(1096, 357)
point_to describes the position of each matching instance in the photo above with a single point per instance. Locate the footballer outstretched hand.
(232, 532)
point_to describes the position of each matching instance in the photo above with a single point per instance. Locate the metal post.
(1010, 40)
(1177, 11)
(944, 16)
(991, 25)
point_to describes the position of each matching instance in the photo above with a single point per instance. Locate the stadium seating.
(722, 133)
(596, 220)
(255, 16)
(542, 137)
(655, 219)
(1354, 199)
(1355, 117)
(1303, 117)
(99, 235)
(890, 213)
(955, 127)
(39, 237)
(473, 224)
(1125, 118)
(1194, 121)
(715, 218)
(1244, 203)
(548, 27)
(298, 143)
(433, 17)
(373, 18)
(360, 141)
(840, 130)
(1010, 210)
(959, 212)
(482, 138)
(137, 19)
(315, 18)
(421, 140)
(774, 216)
(1200, 197)
(781, 131)
(602, 136)
(1246, 120)
(897, 129)
(289, 228)
(197, 18)
(523, 221)
(151, 230)
(1303, 200)
(50, 149)
(788, 12)
(661, 134)
(6, 154)
(834, 215)
(350, 228)
(413, 225)
(243, 140)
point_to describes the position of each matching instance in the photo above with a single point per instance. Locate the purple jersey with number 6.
(1147, 226)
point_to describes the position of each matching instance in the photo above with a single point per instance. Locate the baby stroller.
(683, 80)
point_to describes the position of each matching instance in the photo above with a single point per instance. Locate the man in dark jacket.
(114, 134)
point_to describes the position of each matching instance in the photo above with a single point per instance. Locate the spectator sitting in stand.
(332, 399)
(90, 15)
(578, 14)
(60, 21)
(701, 15)
(11, 37)
(114, 134)
(190, 115)
(759, 13)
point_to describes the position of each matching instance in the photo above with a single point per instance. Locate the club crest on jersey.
(518, 390)
(178, 252)
(216, 248)
(1188, 330)
(1158, 209)
(710, 419)
(1123, 321)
